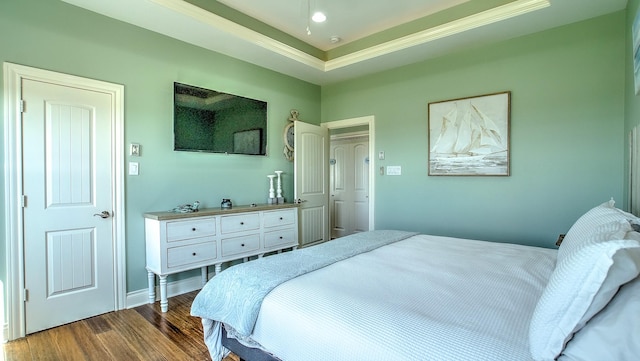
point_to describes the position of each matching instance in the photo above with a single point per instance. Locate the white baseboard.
(5, 332)
(175, 288)
(141, 297)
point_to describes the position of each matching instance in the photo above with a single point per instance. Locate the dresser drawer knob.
(193, 229)
(242, 245)
(280, 237)
(193, 253)
(280, 218)
(241, 223)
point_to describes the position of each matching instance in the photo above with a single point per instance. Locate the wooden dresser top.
(167, 215)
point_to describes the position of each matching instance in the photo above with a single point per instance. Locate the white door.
(68, 245)
(349, 201)
(311, 184)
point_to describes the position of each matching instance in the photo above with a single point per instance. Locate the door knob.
(103, 214)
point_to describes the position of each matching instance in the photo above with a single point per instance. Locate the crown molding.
(251, 36)
(184, 21)
(474, 21)
(451, 28)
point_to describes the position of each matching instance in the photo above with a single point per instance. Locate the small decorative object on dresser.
(177, 242)
(272, 195)
(187, 208)
(279, 189)
(226, 204)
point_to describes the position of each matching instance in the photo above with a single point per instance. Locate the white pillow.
(612, 334)
(602, 222)
(579, 287)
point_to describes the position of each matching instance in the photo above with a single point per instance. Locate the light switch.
(133, 168)
(381, 155)
(134, 150)
(394, 170)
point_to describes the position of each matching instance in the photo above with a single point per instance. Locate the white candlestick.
(271, 193)
(278, 172)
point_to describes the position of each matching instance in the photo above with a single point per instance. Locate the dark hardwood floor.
(141, 333)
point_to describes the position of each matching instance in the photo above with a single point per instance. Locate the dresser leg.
(203, 271)
(218, 268)
(152, 286)
(164, 303)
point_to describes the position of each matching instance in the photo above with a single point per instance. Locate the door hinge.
(23, 201)
(25, 296)
(23, 106)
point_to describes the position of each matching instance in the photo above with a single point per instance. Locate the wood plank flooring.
(141, 333)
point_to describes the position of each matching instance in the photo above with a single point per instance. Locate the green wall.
(56, 36)
(567, 133)
(571, 106)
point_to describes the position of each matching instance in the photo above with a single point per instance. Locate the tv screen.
(211, 121)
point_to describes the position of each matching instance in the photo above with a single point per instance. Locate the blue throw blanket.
(234, 296)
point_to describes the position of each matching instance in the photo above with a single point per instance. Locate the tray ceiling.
(374, 34)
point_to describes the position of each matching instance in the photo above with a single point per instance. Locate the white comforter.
(423, 298)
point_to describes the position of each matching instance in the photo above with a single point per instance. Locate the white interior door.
(349, 201)
(311, 184)
(67, 175)
(361, 187)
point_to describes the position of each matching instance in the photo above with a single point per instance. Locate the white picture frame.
(470, 136)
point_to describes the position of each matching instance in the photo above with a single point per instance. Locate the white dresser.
(177, 242)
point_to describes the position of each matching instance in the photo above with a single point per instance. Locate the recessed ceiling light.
(318, 17)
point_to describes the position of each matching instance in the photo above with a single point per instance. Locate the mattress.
(422, 298)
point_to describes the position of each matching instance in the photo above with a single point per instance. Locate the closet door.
(349, 201)
(68, 237)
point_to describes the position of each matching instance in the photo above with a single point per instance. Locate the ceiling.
(349, 20)
(374, 34)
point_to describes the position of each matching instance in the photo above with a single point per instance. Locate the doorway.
(64, 209)
(349, 183)
(354, 211)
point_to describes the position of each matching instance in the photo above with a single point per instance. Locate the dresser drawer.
(238, 245)
(239, 223)
(280, 237)
(279, 218)
(190, 254)
(179, 230)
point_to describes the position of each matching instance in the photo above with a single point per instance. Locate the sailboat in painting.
(468, 140)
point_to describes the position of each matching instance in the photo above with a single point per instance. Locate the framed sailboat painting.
(470, 136)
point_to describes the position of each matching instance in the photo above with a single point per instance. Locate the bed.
(396, 295)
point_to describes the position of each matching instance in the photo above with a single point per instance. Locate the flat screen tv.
(211, 121)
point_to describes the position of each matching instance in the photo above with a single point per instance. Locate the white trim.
(175, 288)
(13, 76)
(251, 36)
(13, 218)
(354, 122)
(350, 135)
(454, 27)
(494, 15)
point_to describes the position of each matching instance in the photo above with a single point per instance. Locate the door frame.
(354, 122)
(14, 236)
